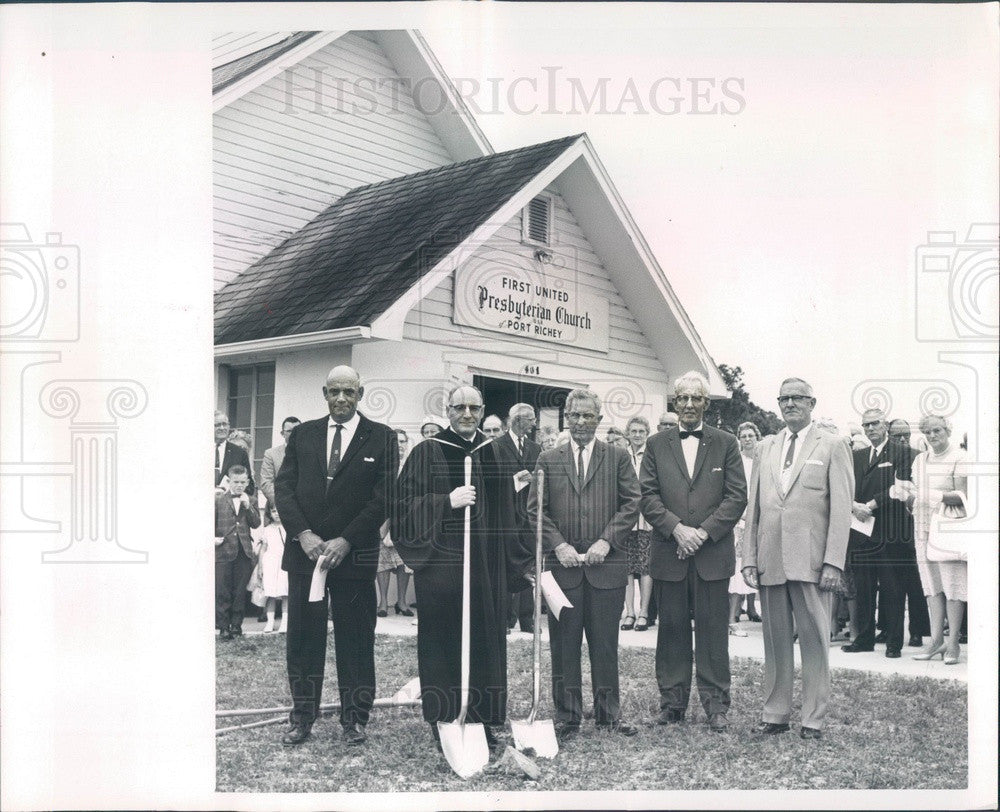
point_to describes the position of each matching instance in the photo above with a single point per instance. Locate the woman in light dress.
(939, 478)
(749, 435)
(389, 561)
(270, 548)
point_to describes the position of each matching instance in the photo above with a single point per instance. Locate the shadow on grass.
(882, 733)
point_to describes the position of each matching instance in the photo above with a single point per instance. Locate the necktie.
(790, 456)
(520, 447)
(686, 434)
(579, 466)
(331, 469)
(871, 457)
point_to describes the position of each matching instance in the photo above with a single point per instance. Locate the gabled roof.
(373, 246)
(225, 75)
(409, 54)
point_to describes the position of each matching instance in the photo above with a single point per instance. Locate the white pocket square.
(716, 469)
(369, 459)
(884, 465)
(814, 462)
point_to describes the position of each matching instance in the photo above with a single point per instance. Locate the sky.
(788, 220)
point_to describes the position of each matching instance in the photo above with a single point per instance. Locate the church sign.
(534, 306)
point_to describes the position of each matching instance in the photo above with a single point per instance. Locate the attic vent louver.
(538, 221)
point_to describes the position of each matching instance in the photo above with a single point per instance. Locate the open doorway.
(499, 394)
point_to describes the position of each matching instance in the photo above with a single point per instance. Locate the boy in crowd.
(235, 514)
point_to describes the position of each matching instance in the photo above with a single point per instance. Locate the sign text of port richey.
(546, 309)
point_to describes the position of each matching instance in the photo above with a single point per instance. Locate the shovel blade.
(464, 746)
(540, 736)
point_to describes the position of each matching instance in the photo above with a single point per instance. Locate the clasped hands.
(329, 553)
(568, 557)
(688, 540)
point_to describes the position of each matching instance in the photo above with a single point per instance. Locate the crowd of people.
(673, 529)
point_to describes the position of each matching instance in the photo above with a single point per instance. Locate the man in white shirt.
(797, 526)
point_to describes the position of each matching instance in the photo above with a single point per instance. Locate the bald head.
(343, 391)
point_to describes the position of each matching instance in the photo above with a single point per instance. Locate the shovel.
(538, 735)
(464, 746)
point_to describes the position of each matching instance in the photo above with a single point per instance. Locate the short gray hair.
(692, 377)
(520, 408)
(642, 421)
(928, 417)
(805, 383)
(747, 425)
(584, 394)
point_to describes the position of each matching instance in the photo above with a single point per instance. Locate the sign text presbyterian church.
(543, 308)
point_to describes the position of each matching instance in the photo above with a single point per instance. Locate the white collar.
(350, 425)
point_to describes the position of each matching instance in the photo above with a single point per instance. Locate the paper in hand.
(865, 527)
(555, 598)
(318, 585)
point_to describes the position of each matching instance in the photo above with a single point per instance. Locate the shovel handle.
(466, 583)
(536, 648)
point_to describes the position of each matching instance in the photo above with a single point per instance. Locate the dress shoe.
(930, 653)
(670, 716)
(853, 648)
(812, 732)
(718, 723)
(953, 656)
(769, 728)
(916, 641)
(880, 637)
(566, 730)
(354, 734)
(753, 617)
(225, 634)
(382, 613)
(621, 728)
(403, 612)
(892, 653)
(237, 631)
(641, 623)
(297, 734)
(628, 623)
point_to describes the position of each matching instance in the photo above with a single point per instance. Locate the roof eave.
(302, 341)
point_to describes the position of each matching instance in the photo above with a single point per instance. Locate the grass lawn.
(882, 733)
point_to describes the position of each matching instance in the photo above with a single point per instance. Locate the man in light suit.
(797, 526)
(332, 492)
(227, 455)
(519, 454)
(694, 492)
(273, 458)
(590, 503)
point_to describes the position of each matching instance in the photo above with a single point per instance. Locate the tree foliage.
(728, 414)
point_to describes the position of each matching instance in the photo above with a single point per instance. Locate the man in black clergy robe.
(428, 520)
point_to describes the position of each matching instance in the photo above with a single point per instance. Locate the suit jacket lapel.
(774, 461)
(596, 459)
(567, 453)
(674, 441)
(807, 448)
(359, 439)
(703, 449)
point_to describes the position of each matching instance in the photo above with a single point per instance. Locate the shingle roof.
(355, 259)
(225, 75)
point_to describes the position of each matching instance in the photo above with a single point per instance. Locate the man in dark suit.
(590, 503)
(519, 454)
(332, 493)
(879, 561)
(229, 454)
(693, 494)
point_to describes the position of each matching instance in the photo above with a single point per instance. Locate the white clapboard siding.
(278, 162)
(576, 262)
(233, 45)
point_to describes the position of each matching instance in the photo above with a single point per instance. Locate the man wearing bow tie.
(693, 494)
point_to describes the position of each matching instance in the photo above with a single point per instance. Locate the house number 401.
(531, 369)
